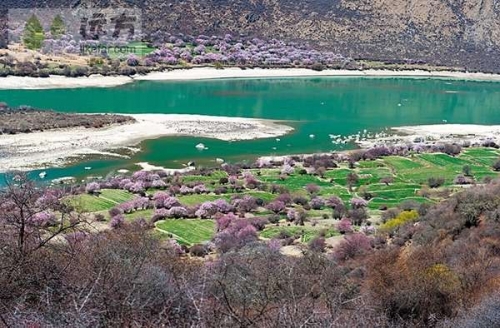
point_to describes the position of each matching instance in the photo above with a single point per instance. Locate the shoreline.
(62, 82)
(146, 166)
(40, 150)
(473, 134)
(451, 130)
(210, 73)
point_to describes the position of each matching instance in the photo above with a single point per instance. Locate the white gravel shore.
(204, 73)
(61, 82)
(473, 134)
(52, 148)
(441, 130)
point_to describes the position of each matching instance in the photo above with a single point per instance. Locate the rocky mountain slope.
(462, 33)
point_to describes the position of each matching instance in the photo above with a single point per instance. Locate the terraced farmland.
(385, 183)
(107, 199)
(188, 232)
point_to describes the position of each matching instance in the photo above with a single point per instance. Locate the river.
(314, 106)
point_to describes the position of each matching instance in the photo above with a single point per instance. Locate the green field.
(305, 233)
(188, 232)
(419, 168)
(108, 199)
(190, 200)
(145, 214)
(409, 174)
(214, 177)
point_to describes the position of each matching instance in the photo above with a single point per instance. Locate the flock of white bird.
(338, 139)
(364, 135)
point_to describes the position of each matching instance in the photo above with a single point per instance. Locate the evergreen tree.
(33, 33)
(57, 27)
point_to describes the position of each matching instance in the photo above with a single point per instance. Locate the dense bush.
(496, 165)
(236, 51)
(434, 182)
(357, 203)
(344, 226)
(358, 215)
(237, 233)
(401, 219)
(317, 203)
(352, 179)
(485, 314)
(353, 245)
(300, 200)
(27, 119)
(312, 188)
(452, 149)
(198, 250)
(317, 244)
(276, 206)
(438, 267)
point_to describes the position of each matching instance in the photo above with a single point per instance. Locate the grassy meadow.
(188, 232)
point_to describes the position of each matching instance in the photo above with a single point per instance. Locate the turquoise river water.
(319, 106)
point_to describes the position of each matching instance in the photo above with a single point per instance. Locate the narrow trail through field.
(172, 234)
(110, 200)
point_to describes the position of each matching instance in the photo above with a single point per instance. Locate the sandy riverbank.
(440, 130)
(212, 73)
(206, 73)
(145, 166)
(53, 148)
(61, 82)
(473, 134)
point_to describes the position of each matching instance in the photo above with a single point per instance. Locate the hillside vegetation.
(437, 267)
(384, 237)
(26, 119)
(452, 33)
